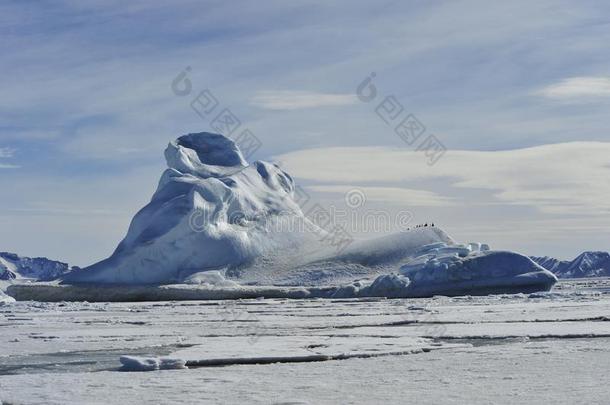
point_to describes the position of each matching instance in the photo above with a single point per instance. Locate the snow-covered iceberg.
(211, 211)
(220, 227)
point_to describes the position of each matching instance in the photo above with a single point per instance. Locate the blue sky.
(518, 92)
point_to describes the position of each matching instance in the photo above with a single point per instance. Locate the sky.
(518, 94)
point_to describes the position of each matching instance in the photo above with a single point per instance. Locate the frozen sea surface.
(527, 348)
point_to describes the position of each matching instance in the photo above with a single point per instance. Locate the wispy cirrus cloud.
(391, 195)
(578, 88)
(296, 100)
(7, 153)
(565, 179)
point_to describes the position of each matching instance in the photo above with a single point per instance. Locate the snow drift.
(220, 227)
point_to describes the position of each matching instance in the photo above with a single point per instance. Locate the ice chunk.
(387, 285)
(474, 246)
(5, 299)
(210, 278)
(166, 363)
(134, 363)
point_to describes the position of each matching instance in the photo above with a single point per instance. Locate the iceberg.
(211, 211)
(220, 227)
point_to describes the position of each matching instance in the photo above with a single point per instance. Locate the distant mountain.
(550, 263)
(588, 264)
(13, 266)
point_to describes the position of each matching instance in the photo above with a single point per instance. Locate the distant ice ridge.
(587, 264)
(19, 269)
(217, 226)
(13, 266)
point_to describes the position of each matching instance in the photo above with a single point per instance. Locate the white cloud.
(578, 88)
(392, 195)
(568, 178)
(295, 100)
(6, 152)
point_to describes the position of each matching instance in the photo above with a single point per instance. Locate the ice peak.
(205, 154)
